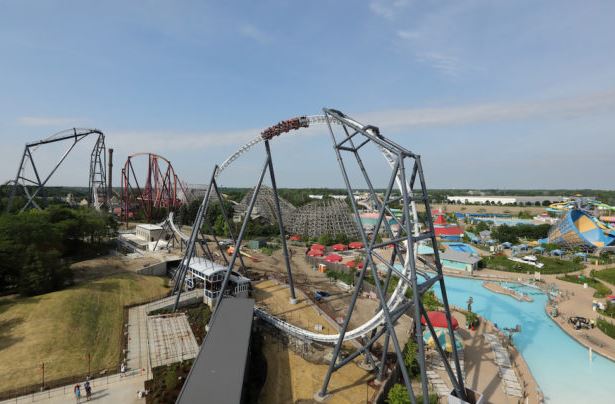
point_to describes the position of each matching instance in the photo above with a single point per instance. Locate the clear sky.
(506, 94)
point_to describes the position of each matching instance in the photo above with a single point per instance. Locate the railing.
(29, 393)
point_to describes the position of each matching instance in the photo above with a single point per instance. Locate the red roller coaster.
(160, 189)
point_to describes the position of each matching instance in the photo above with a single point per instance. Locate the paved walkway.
(114, 389)
(137, 356)
(170, 339)
(512, 387)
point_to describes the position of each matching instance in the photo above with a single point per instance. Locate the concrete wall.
(159, 269)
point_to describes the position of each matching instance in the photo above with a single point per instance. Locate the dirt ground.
(292, 379)
(111, 264)
(275, 297)
(513, 210)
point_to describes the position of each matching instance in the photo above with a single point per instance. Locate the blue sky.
(516, 94)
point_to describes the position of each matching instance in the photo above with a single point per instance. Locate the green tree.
(398, 395)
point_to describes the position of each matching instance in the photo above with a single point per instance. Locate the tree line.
(36, 246)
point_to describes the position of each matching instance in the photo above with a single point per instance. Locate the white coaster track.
(377, 320)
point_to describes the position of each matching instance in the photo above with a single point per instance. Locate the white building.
(210, 275)
(504, 200)
(148, 232)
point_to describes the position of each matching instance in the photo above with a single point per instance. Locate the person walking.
(77, 391)
(88, 390)
(122, 369)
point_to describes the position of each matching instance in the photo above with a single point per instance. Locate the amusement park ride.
(406, 187)
(352, 142)
(32, 181)
(160, 190)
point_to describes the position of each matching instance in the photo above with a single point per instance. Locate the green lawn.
(61, 328)
(606, 327)
(607, 275)
(601, 289)
(551, 265)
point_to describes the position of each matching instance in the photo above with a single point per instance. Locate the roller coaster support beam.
(97, 169)
(242, 232)
(228, 223)
(458, 381)
(369, 246)
(408, 234)
(180, 276)
(291, 285)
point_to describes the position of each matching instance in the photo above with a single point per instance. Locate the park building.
(148, 232)
(503, 200)
(210, 275)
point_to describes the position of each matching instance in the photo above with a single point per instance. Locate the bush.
(399, 395)
(343, 276)
(472, 319)
(609, 311)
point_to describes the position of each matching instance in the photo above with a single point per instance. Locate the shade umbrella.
(295, 237)
(318, 247)
(333, 258)
(351, 264)
(438, 320)
(315, 253)
(339, 247)
(355, 245)
(443, 338)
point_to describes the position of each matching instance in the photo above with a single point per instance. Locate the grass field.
(607, 275)
(601, 290)
(61, 328)
(551, 265)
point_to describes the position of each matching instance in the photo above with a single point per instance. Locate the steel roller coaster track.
(406, 186)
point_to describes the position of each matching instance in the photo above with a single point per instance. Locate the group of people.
(88, 390)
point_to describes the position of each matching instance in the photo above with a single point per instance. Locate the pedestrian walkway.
(512, 387)
(137, 355)
(170, 339)
(435, 367)
(113, 389)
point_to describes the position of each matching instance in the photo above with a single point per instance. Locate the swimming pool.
(560, 365)
(461, 247)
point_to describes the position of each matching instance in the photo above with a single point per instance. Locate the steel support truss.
(349, 138)
(32, 181)
(161, 188)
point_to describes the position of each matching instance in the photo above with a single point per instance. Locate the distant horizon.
(341, 187)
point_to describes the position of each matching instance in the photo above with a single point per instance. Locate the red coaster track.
(160, 189)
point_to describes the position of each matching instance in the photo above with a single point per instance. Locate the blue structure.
(579, 229)
(539, 250)
(472, 237)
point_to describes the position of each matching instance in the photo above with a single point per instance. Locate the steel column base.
(321, 398)
(293, 300)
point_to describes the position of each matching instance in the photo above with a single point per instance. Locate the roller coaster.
(350, 139)
(160, 189)
(32, 181)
